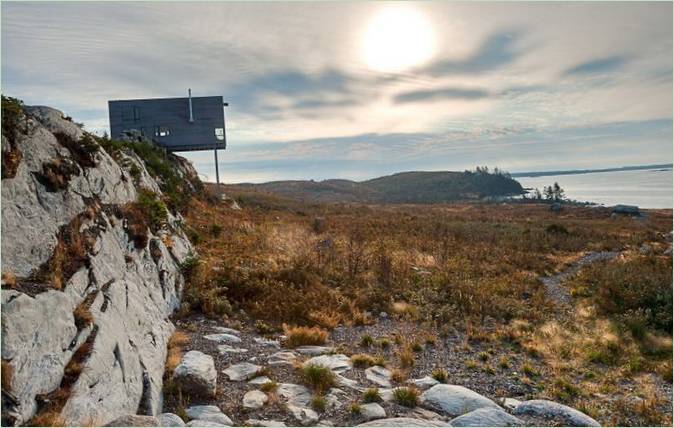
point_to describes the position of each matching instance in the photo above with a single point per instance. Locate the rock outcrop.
(85, 325)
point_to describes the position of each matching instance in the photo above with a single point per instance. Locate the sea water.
(645, 188)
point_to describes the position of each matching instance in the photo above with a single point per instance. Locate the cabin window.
(220, 133)
(161, 131)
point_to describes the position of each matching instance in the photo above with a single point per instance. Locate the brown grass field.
(471, 269)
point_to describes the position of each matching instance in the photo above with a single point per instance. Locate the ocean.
(650, 188)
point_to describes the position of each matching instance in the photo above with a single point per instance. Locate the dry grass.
(301, 336)
(406, 357)
(50, 418)
(8, 279)
(83, 316)
(7, 372)
(401, 259)
(406, 396)
(366, 360)
(176, 343)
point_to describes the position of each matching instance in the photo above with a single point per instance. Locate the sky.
(362, 89)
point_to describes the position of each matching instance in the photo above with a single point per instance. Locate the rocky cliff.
(91, 270)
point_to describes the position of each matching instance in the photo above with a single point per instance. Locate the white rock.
(223, 337)
(260, 380)
(241, 371)
(511, 403)
(304, 415)
(334, 398)
(550, 409)
(208, 413)
(487, 417)
(370, 411)
(314, 350)
(297, 395)
(282, 358)
(226, 330)
(335, 362)
(404, 422)
(254, 399)
(134, 421)
(454, 400)
(226, 349)
(386, 394)
(424, 383)
(348, 383)
(203, 423)
(196, 374)
(264, 423)
(170, 420)
(379, 375)
(267, 342)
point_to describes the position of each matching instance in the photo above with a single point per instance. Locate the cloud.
(497, 50)
(439, 94)
(596, 66)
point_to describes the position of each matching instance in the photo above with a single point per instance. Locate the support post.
(217, 172)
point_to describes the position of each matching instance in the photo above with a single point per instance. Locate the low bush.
(319, 403)
(302, 336)
(371, 395)
(406, 396)
(440, 375)
(320, 378)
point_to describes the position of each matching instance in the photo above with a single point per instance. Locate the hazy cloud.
(600, 65)
(445, 93)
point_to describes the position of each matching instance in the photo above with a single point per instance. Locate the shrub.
(371, 395)
(355, 409)
(215, 230)
(363, 360)
(440, 375)
(301, 336)
(263, 328)
(154, 209)
(406, 357)
(607, 352)
(83, 316)
(270, 386)
(384, 343)
(406, 396)
(319, 403)
(319, 377)
(175, 351)
(529, 370)
(483, 356)
(416, 347)
(366, 341)
(503, 362)
(399, 375)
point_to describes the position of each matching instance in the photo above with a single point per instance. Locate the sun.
(397, 38)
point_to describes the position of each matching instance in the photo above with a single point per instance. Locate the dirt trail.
(553, 287)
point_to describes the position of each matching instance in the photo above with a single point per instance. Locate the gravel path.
(559, 294)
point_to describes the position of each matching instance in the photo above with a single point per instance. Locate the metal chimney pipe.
(189, 93)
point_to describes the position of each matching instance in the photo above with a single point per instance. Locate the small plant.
(471, 364)
(440, 375)
(83, 316)
(503, 362)
(384, 343)
(175, 345)
(154, 209)
(301, 336)
(399, 375)
(355, 409)
(406, 357)
(215, 230)
(366, 341)
(488, 369)
(529, 370)
(483, 356)
(319, 377)
(430, 340)
(406, 396)
(416, 347)
(319, 403)
(270, 386)
(263, 328)
(371, 395)
(363, 360)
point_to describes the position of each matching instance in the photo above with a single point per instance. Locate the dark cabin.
(176, 124)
